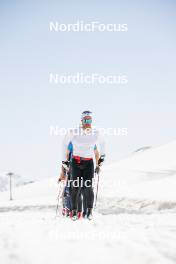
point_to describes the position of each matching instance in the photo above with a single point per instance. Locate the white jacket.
(83, 142)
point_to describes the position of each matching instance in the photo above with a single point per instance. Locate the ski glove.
(66, 165)
(61, 178)
(101, 160)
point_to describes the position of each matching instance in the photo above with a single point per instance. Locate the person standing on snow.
(83, 140)
(65, 175)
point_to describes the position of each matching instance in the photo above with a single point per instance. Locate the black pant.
(67, 201)
(82, 173)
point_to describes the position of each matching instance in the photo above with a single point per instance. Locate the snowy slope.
(148, 175)
(128, 227)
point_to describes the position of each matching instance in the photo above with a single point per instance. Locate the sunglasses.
(87, 121)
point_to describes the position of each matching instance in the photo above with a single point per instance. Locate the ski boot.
(67, 212)
(79, 215)
(84, 214)
(63, 211)
(89, 214)
(74, 215)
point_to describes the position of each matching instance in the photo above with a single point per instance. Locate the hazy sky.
(29, 104)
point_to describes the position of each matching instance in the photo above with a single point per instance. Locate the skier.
(65, 175)
(83, 140)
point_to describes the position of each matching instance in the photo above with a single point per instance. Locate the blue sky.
(30, 105)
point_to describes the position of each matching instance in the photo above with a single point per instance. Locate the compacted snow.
(30, 237)
(134, 222)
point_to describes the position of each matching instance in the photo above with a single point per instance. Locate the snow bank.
(144, 180)
(144, 176)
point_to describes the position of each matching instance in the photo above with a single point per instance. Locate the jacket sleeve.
(102, 144)
(66, 141)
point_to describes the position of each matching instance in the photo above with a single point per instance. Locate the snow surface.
(134, 222)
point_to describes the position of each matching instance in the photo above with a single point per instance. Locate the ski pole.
(59, 196)
(57, 206)
(97, 190)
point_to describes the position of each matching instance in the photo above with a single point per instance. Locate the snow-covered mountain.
(146, 180)
(16, 181)
(142, 149)
(3, 183)
(147, 175)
